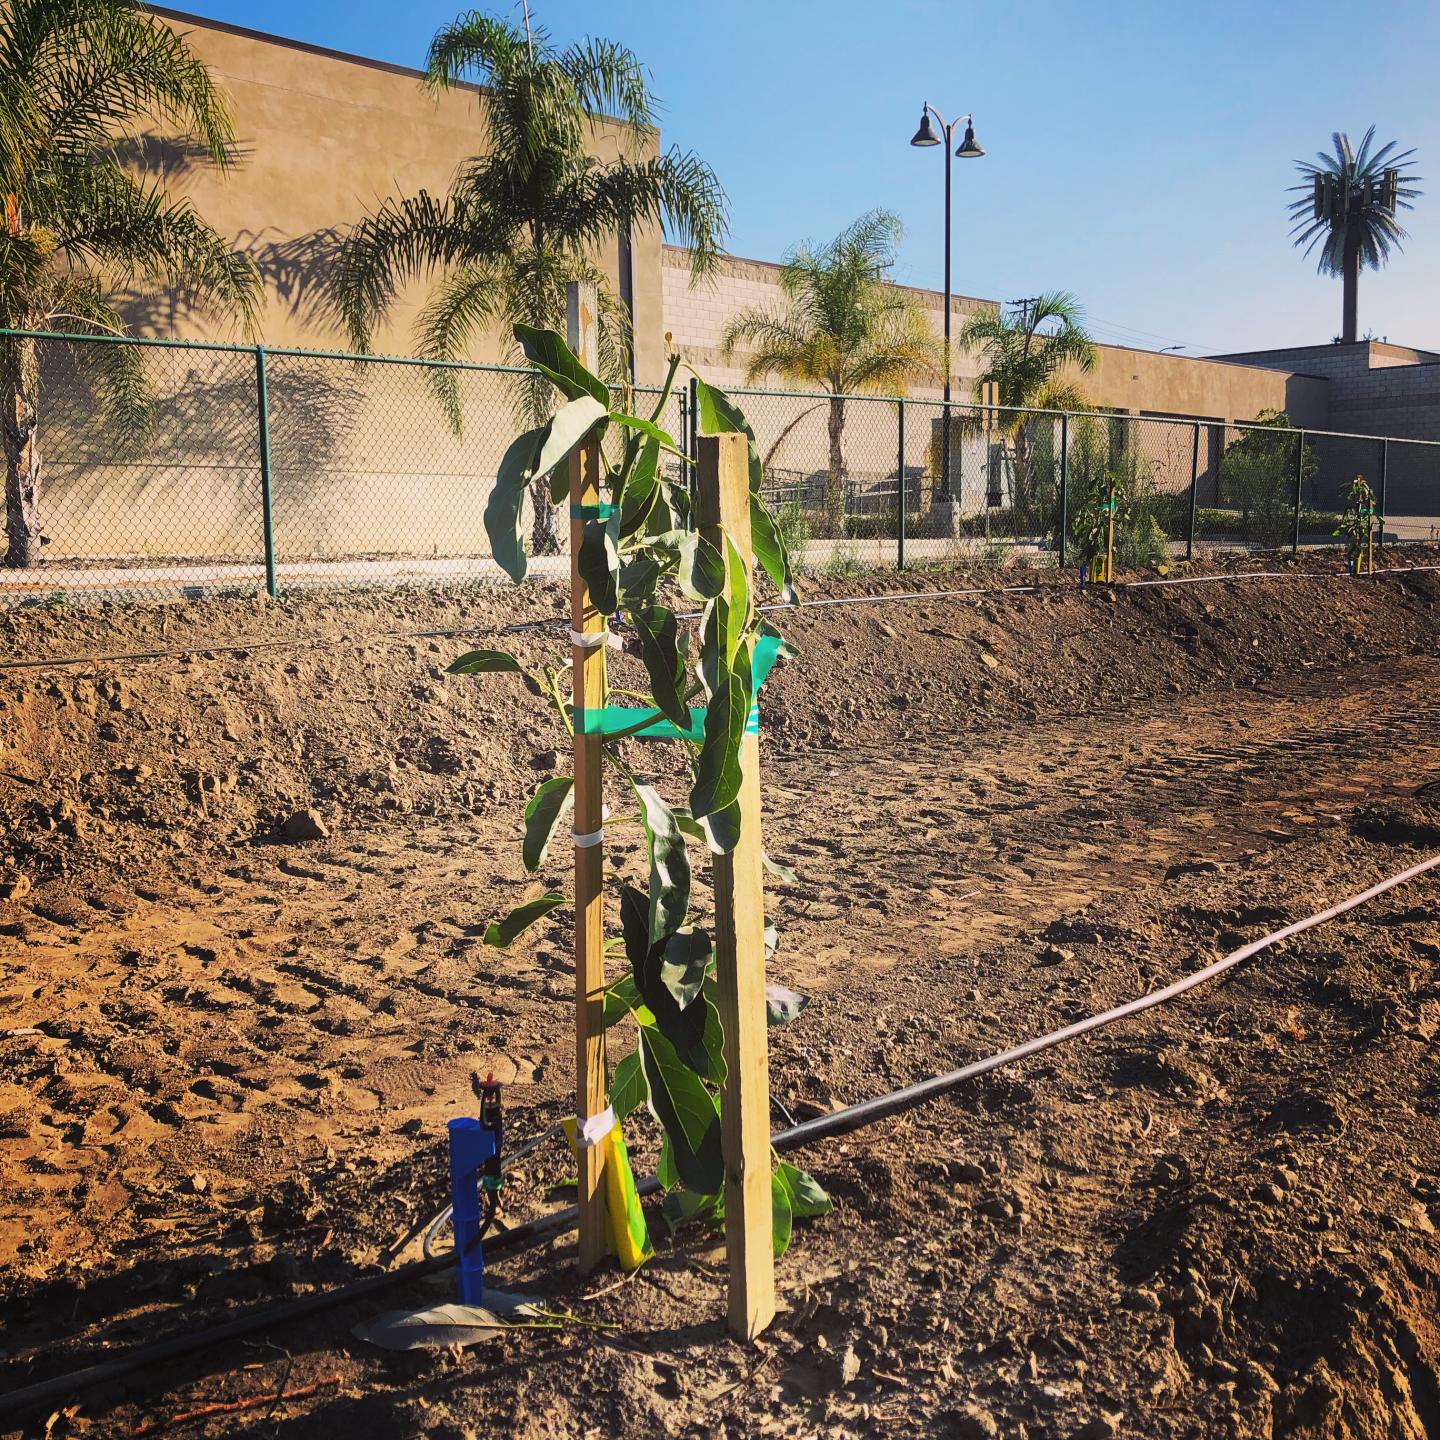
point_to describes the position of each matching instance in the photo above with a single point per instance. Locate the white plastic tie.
(589, 1133)
(594, 639)
(595, 837)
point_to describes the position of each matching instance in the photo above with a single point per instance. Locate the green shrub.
(794, 526)
(883, 525)
(1139, 541)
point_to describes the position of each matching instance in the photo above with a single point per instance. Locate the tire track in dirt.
(1022, 828)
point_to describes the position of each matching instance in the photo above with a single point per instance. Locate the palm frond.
(405, 237)
(676, 190)
(134, 230)
(609, 78)
(106, 67)
(842, 328)
(463, 303)
(117, 372)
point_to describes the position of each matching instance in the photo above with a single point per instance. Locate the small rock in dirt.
(1201, 1323)
(196, 1184)
(14, 887)
(1145, 1302)
(1102, 1427)
(1055, 955)
(972, 1423)
(849, 1366)
(1268, 1194)
(305, 825)
(1256, 1379)
(966, 1171)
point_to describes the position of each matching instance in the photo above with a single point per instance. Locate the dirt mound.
(222, 720)
(249, 869)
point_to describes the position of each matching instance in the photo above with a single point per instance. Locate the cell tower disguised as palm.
(1348, 209)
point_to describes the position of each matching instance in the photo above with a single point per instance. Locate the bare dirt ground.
(226, 1060)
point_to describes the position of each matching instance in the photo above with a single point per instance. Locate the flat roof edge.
(186, 17)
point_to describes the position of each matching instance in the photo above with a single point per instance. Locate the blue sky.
(1138, 151)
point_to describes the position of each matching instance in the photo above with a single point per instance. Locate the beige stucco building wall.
(363, 461)
(325, 138)
(1145, 382)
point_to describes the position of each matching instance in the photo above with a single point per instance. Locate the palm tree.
(843, 328)
(526, 215)
(80, 80)
(1348, 210)
(1024, 353)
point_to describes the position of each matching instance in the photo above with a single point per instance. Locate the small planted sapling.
(1357, 525)
(639, 546)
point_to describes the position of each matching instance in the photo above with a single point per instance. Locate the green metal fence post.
(1384, 482)
(900, 485)
(1299, 481)
(694, 444)
(1194, 493)
(1064, 485)
(683, 399)
(267, 506)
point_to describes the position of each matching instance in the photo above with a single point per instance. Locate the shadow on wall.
(189, 483)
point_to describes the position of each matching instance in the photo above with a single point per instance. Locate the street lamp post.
(968, 149)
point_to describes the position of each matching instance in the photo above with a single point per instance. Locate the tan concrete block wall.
(697, 316)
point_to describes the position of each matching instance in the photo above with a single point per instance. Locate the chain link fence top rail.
(254, 467)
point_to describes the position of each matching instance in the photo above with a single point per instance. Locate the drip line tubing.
(387, 636)
(533, 1232)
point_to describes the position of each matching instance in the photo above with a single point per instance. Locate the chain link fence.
(251, 468)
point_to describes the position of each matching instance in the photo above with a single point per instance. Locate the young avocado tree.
(1357, 525)
(639, 548)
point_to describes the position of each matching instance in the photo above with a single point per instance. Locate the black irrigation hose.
(534, 1231)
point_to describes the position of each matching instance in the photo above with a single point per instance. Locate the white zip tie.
(595, 837)
(589, 1133)
(594, 639)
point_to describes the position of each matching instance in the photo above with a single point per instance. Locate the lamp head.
(970, 148)
(925, 135)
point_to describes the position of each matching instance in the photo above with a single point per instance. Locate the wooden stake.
(1110, 536)
(587, 666)
(724, 509)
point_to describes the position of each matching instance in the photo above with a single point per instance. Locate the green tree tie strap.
(632, 720)
(601, 510)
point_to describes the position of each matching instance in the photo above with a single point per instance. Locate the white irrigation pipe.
(388, 636)
(1275, 575)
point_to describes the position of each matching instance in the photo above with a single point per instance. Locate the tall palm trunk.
(1021, 490)
(534, 410)
(835, 482)
(19, 387)
(544, 532)
(1349, 330)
